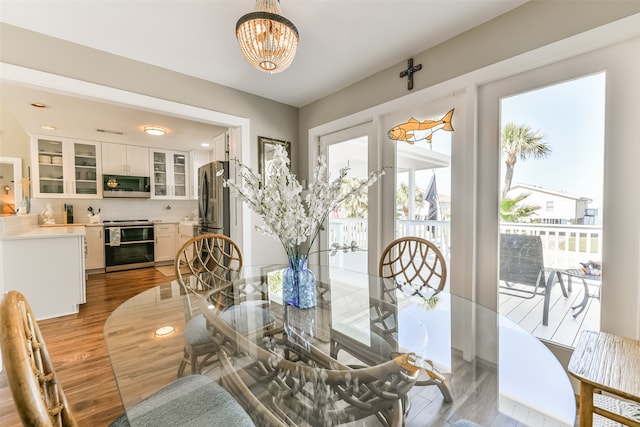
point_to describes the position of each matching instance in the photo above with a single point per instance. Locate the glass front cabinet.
(169, 179)
(65, 168)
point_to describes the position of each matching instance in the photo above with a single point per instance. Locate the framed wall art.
(266, 147)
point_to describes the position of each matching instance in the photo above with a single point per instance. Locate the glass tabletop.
(495, 371)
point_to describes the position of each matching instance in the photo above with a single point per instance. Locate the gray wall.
(530, 26)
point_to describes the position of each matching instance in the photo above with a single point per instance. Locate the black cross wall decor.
(409, 72)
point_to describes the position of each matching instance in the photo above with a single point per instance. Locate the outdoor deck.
(563, 328)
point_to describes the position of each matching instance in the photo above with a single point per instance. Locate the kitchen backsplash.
(159, 210)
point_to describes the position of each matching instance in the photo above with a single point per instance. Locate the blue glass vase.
(299, 283)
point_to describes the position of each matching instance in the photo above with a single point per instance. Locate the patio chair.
(522, 263)
(40, 400)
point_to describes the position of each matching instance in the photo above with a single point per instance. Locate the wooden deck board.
(563, 328)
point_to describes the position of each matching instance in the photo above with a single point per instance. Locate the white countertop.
(19, 227)
(47, 232)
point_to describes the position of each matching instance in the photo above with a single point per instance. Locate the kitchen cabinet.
(46, 264)
(185, 232)
(63, 167)
(121, 159)
(94, 248)
(165, 242)
(169, 180)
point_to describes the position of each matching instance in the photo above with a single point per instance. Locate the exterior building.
(555, 207)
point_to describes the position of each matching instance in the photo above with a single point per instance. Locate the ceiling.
(341, 42)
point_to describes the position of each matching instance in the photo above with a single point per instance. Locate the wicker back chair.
(204, 263)
(41, 401)
(201, 261)
(414, 260)
(414, 264)
(32, 379)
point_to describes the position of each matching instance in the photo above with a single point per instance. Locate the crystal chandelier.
(267, 39)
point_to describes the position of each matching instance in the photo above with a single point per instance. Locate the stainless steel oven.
(128, 244)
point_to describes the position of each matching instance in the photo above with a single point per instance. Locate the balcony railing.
(564, 245)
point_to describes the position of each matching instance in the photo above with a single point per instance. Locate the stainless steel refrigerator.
(213, 199)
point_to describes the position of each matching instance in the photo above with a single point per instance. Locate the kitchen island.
(46, 264)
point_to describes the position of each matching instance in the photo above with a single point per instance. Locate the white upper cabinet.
(121, 159)
(66, 168)
(170, 171)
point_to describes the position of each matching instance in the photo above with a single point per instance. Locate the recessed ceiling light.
(155, 130)
(205, 144)
(164, 331)
(39, 105)
(49, 127)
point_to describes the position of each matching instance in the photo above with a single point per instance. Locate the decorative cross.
(409, 72)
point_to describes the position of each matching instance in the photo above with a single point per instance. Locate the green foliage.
(402, 198)
(357, 205)
(511, 209)
(520, 141)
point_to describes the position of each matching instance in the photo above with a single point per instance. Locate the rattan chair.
(40, 400)
(414, 264)
(203, 263)
(414, 260)
(301, 385)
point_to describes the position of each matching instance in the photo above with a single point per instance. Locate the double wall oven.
(128, 244)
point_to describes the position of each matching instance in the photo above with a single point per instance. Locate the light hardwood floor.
(76, 346)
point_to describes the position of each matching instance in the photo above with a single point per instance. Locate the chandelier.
(267, 39)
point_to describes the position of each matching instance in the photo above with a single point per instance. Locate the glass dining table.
(369, 341)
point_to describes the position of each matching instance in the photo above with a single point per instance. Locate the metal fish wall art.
(415, 130)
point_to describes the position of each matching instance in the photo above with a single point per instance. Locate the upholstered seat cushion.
(195, 331)
(249, 316)
(239, 317)
(192, 401)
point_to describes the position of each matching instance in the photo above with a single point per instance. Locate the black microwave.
(126, 186)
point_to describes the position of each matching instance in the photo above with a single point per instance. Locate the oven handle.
(129, 227)
(137, 242)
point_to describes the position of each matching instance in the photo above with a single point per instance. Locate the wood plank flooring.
(77, 349)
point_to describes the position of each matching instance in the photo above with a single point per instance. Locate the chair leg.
(194, 364)
(183, 363)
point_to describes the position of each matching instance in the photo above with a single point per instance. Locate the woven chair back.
(30, 374)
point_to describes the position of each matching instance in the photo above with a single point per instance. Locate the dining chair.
(414, 260)
(414, 264)
(194, 400)
(522, 268)
(205, 262)
(300, 385)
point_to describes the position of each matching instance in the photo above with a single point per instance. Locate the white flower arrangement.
(280, 204)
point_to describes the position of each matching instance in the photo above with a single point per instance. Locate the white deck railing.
(564, 245)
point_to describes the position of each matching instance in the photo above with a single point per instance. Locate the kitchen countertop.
(47, 232)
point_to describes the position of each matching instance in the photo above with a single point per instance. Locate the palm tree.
(520, 141)
(512, 211)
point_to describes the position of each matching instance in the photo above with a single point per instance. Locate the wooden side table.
(608, 363)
